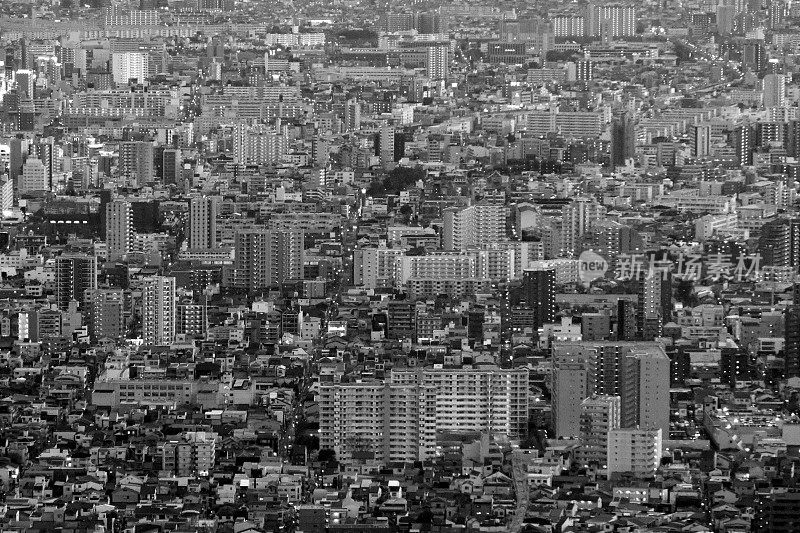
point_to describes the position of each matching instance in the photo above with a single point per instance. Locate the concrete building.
(636, 371)
(106, 313)
(136, 161)
(634, 450)
(265, 258)
(75, 274)
(126, 66)
(34, 177)
(399, 420)
(478, 225)
(119, 229)
(599, 416)
(158, 310)
(203, 222)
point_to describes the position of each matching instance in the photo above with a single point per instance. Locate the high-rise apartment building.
(158, 310)
(623, 139)
(119, 229)
(634, 450)
(478, 226)
(577, 218)
(437, 62)
(599, 416)
(264, 258)
(779, 243)
(136, 161)
(127, 66)
(352, 115)
(791, 349)
(701, 140)
(774, 90)
(75, 274)
(637, 372)
(399, 420)
(539, 293)
(203, 221)
(105, 313)
(619, 19)
(171, 166)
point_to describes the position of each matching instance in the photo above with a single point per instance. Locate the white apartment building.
(478, 225)
(390, 422)
(128, 65)
(634, 450)
(398, 420)
(708, 226)
(475, 398)
(373, 267)
(443, 265)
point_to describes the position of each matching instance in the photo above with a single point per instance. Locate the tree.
(326, 455)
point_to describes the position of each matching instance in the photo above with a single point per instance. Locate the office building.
(265, 258)
(106, 313)
(637, 372)
(599, 416)
(34, 177)
(75, 274)
(158, 310)
(119, 229)
(203, 213)
(634, 450)
(539, 293)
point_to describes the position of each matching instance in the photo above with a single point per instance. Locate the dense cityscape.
(360, 266)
